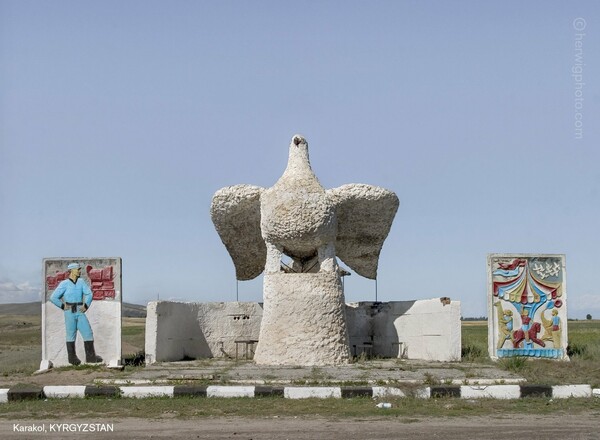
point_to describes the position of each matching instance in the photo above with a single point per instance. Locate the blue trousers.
(77, 321)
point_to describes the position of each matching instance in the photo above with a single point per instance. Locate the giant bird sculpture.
(299, 218)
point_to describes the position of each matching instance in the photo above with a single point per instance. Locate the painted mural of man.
(74, 296)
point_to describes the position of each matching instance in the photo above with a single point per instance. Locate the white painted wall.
(424, 329)
(176, 330)
(427, 329)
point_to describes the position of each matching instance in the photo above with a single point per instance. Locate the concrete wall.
(424, 329)
(180, 330)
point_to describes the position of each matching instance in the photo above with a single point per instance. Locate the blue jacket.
(71, 292)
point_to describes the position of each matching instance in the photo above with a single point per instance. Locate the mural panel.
(81, 311)
(527, 311)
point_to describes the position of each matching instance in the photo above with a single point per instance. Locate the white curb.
(3, 395)
(423, 393)
(596, 392)
(490, 391)
(312, 392)
(221, 391)
(565, 391)
(64, 391)
(388, 392)
(143, 392)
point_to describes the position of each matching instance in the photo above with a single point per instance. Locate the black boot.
(73, 359)
(90, 353)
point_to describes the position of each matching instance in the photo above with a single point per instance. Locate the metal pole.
(375, 289)
(237, 290)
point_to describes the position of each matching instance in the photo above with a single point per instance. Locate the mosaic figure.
(505, 324)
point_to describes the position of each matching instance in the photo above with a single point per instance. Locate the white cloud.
(11, 292)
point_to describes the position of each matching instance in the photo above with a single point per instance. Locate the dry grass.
(21, 342)
(584, 351)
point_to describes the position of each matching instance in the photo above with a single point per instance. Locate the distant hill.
(34, 308)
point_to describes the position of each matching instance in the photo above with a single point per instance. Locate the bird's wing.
(364, 217)
(235, 212)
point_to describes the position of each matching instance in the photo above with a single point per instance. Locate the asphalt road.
(564, 427)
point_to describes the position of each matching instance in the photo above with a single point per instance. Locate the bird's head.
(298, 140)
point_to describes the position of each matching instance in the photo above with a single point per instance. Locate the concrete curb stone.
(25, 393)
(299, 392)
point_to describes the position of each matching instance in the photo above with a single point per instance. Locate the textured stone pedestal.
(304, 320)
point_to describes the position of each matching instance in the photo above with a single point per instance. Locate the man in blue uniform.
(74, 296)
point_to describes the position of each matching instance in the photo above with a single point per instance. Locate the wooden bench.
(247, 343)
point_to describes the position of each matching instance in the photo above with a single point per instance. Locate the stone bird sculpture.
(299, 218)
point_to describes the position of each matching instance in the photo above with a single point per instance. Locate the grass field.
(20, 350)
(21, 342)
(584, 352)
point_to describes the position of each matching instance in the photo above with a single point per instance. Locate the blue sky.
(119, 121)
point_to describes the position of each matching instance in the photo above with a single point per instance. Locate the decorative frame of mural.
(527, 306)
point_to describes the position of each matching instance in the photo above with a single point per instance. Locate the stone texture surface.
(297, 218)
(303, 321)
(364, 218)
(235, 211)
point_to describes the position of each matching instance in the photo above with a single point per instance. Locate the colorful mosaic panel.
(527, 306)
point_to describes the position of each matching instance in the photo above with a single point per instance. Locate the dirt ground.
(565, 427)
